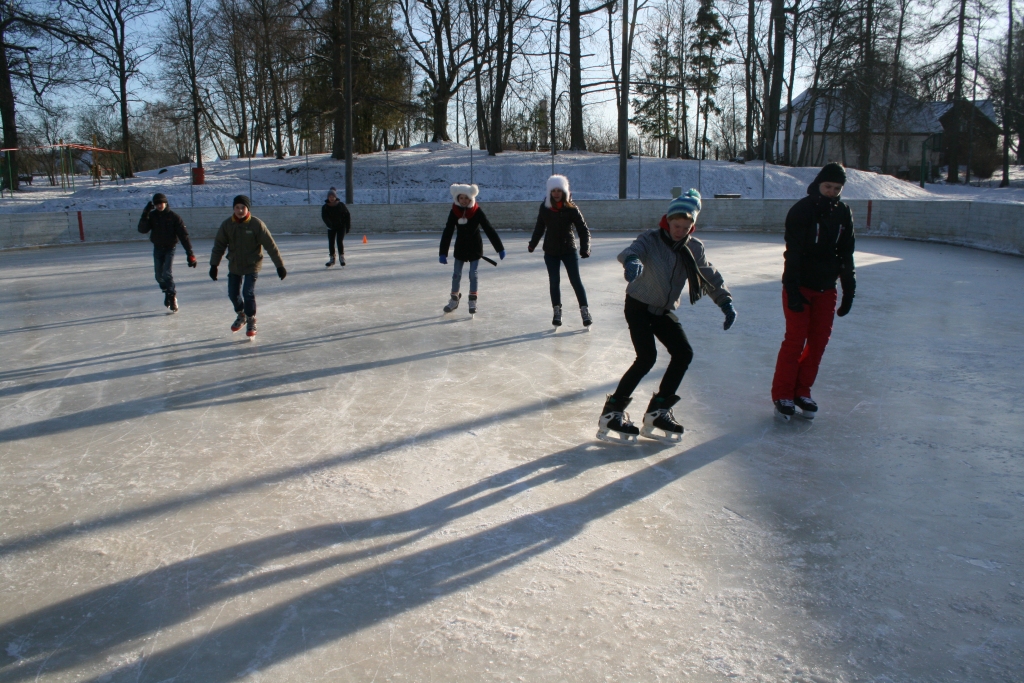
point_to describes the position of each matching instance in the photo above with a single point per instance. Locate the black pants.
(338, 235)
(644, 326)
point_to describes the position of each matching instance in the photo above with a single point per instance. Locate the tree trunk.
(787, 157)
(576, 138)
(748, 77)
(193, 84)
(7, 113)
(778, 71)
(624, 101)
(953, 136)
(1007, 99)
(894, 91)
(337, 80)
(867, 94)
(442, 90)
(554, 75)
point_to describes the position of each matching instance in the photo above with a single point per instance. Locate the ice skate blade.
(807, 414)
(618, 439)
(665, 437)
(782, 417)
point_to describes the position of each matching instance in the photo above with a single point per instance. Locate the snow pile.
(423, 173)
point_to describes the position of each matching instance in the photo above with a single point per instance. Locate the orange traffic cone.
(364, 239)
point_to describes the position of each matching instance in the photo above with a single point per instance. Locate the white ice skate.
(659, 422)
(614, 425)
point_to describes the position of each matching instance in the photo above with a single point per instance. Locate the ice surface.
(423, 174)
(374, 491)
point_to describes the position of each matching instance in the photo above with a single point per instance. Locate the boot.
(173, 303)
(453, 303)
(472, 304)
(614, 425)
(250, 327)
(331, 262)
(239, 321)
(659, 422)
(585, 312)
(556, 318)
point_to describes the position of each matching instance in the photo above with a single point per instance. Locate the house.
(825, 128)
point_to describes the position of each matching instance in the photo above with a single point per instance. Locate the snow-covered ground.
(424, 172)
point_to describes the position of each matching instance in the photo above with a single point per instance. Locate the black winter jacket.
(468, 244)
(561, 238)
(165, 228)
(819, 243)
(336, 217)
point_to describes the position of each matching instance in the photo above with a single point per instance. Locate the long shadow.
(225, 350)
(33, 541)
(114, 317)
(176, 593)
(209, 393)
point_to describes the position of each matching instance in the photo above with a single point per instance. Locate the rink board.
(995, 227)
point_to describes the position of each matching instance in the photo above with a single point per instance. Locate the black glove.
(281, 272)
(530, 247)
(585, 254)
(846, 304)
(730, 315)
(149, 207)
(213, 272)
(191, 260)
(795, 300)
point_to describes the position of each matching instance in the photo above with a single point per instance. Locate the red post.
(869, 214)
(81, 229)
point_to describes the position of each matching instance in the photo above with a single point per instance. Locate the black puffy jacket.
(819, 243)
(165, 228)
(468, 244)
(336, 217)
(561, 238)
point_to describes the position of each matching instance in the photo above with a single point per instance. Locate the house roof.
(911, 116)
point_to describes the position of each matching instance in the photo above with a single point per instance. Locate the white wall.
(998, 227)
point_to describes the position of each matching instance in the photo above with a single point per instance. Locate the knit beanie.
(831, 172)
(242, 199)
(332, 193)
(688, 203)
(159, 198)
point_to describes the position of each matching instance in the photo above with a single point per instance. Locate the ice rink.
(373, 491)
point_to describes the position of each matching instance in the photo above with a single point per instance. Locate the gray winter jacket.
(666, 271)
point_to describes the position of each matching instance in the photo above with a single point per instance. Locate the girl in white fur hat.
(465, 220)
(558, 216)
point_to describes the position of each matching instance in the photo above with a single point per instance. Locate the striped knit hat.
(688, 203)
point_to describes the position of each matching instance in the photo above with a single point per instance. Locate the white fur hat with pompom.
(470, 191)
(557, 182)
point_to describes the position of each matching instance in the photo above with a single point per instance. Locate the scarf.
(464, 213)
(234, 218)
(698, 285)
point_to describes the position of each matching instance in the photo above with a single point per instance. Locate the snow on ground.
(424, 172)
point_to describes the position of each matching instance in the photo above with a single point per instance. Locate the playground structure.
(62, 164)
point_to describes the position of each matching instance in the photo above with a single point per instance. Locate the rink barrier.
(990, 226)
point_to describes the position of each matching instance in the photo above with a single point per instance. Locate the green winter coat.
(244, 243)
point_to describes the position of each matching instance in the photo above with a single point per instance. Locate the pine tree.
(706, 67)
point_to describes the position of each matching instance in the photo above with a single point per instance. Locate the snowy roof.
(911, 116)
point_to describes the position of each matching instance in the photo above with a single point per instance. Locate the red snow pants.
(807, 334)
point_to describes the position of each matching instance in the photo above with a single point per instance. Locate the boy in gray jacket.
(657, 266)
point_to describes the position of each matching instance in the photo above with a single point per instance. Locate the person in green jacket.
(244, 237)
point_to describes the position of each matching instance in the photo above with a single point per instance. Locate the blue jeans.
(163, 259)
(457, 275)
(242, 292)
(572, 269)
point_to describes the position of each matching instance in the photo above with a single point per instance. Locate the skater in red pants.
(819, 251)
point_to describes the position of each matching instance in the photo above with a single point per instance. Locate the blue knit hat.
(685, 203)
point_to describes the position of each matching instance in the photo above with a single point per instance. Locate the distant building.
(833, 134)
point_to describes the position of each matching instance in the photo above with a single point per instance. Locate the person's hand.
(846, 304)
(281, 272)
(443, 260)
(633, 268)
(795, 300)
(730, 315)
(585, 254)
(149, 207)
(213, 272)
(501, 254)
(530, 247)
(191, 260)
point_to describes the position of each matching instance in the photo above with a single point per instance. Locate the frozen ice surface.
(374, 491)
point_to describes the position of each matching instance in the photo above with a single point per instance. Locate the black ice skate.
(784, 409)
(808, 408)
(587, 320)
(453, 303)
(659, 422)
(556, 318)
(173, 303)
(250, 327)
(331, 262)
(341, 260)
(167, 299)
(614, 425)
(239, 322)
(472, 304)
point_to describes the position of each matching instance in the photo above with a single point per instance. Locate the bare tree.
(186, 54)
